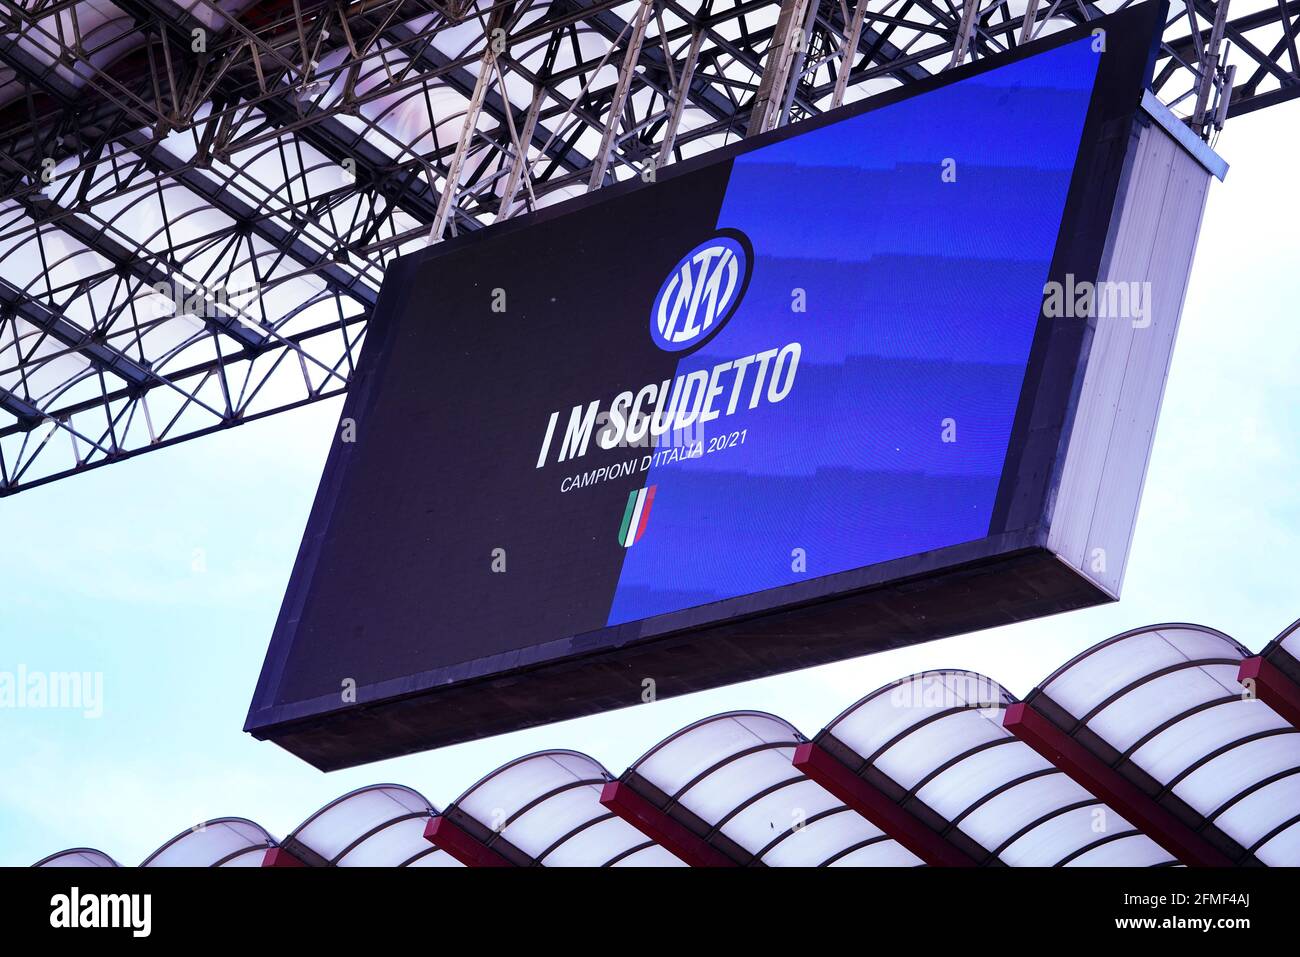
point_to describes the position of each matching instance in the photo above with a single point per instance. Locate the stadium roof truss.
(198, 198)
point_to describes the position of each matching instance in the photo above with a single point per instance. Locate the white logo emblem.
(700, 294)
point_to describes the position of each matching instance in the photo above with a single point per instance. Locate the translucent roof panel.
(876, 854)
(1167, 699)
(1283, 848)
(379, 825)
(679, 759)
(1125, 850)
(1164, 755)
(651, 855)
(212, 844)
(1289, 640)
(78, 857)
(734, 772)
(432, 857)
(939, 737)
(1160, 704)
(882, 717)
(393, 844)
(1108, 668)
(547, 805)
(828, 836)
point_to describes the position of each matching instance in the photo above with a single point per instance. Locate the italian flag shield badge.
(636, 515)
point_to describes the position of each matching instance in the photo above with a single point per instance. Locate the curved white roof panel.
(732, 777)
(938, 738)
(544, 809)
(78, 857)
(223, 842)
(377, 826)
(1152, 748)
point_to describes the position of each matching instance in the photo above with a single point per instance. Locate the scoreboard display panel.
(792, 401)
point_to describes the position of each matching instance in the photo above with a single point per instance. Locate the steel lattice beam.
(317, 137)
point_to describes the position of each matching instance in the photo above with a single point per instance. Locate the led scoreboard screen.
(791, 402)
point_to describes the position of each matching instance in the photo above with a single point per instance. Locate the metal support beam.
(964, 31)
(1027, 25)
(494, 104)
(849, 52)
(279, 857)
(21, 410)
(160, 160)
(878, 52)
(285, 89)
(621, 90)
(703, 96)
(147, 272)
(259, 222)
(487, 66)
(519, 164)
(413, 193)
(657, 825)
(1209, 66)
(1091, 773)
(786, 39)
(681, 95)
(460, 844)
(1265, 681)
(48, 321)
(798, 62)
(873, 804)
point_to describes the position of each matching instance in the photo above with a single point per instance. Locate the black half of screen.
(441, 488)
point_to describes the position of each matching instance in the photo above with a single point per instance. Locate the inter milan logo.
(701, 292)
(635, 515)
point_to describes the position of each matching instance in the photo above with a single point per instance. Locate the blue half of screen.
(917, 238)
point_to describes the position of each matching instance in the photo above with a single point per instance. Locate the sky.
(165, 573)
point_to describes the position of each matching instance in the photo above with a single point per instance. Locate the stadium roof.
(1166, 745)
(198, 198)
